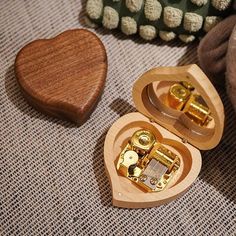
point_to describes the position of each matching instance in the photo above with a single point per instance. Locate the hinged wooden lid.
(150, 89)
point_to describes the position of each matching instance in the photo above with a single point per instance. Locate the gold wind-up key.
(147, 163)
(182, 98)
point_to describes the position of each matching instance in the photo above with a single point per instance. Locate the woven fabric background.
(52, 179)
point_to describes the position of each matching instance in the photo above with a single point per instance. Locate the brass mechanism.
(182, 98)
(147, 163)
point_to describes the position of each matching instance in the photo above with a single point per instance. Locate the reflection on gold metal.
(181, 98)
(178, 96)
(197, 110)
(147, 163)
(187, 85)
(142, 141)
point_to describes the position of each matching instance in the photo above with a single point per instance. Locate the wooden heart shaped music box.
(152, 156)
(63, 76)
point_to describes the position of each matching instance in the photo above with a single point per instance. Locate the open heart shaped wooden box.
(172, 128)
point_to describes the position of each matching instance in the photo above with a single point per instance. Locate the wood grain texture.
(125, 193)
(183, 128)
(64, 76)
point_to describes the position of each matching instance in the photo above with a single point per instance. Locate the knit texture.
(52, 177)
(188, 19)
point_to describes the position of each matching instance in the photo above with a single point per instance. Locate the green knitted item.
(187, 19)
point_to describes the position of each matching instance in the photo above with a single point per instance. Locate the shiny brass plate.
(147, 163)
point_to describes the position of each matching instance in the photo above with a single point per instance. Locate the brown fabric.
(52, 177)
(213, 48)
(231, 68)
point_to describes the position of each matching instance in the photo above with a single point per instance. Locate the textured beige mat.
(52, 179)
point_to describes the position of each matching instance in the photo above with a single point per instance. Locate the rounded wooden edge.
(127, 199)
(193, 74)
(56, 109)
(58, 112)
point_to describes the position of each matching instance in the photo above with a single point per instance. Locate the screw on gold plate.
(153, 181)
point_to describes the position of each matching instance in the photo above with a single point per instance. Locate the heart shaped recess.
(63, 76)
(124, 192)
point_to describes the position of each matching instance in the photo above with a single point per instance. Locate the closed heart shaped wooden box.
(64, 76)
(172, 128)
